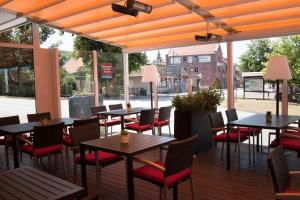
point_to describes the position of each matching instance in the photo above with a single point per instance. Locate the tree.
(85, 44)
(255, 56)
(290, 47)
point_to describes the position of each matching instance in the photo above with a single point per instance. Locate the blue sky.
(67, 45)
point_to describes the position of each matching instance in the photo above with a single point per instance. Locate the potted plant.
(128, 105)
(124, 136)
(191, 115)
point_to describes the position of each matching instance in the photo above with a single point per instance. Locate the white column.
(126, 77)
(284, 102)
(230, 89)
(96, 82)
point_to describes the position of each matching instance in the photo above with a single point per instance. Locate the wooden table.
(29, 183)
(16, 129)
(259, 121)
(138, 144)
(121, 113)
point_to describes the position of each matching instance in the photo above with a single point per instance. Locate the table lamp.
(278, 69)
(151, 75)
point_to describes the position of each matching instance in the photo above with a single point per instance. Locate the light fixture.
(150, 74)
(139, 6)
(124, 10)
(132, 8)
(278, 69)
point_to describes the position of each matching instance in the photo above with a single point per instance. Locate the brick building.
(204, 64)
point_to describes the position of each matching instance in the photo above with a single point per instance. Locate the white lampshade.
(278, 68)
(150, 74)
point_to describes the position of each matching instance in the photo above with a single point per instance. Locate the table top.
(28, 127)
(138, 143)
(123, 112)
(29, 183)
(259, 120)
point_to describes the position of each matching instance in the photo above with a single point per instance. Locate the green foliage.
(124, 132)
(217, 84)
(290, 47)
(68, 83)
(202, 99)
(256, 54)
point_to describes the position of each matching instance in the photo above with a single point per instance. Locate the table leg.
(122, 122)
(130, 181)
(16, 152)
(228, 148)
(83, 168)
(277, 136)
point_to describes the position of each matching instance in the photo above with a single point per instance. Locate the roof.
(172, 23)
(73, 65)
(252, 74)
(194, 50)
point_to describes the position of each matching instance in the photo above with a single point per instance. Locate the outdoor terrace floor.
(211, 179)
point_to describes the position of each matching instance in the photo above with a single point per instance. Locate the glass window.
(18, 35)
(177, 60)
(196, 58)
(190, 59)
(196, 69)
(184, 58)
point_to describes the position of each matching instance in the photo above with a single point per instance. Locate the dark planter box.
(80, 106)
(189, 123)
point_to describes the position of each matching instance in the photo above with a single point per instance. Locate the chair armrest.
(218, 129)
(294, 173)
(150, 163)
(287, 194)
(25, 140)
(164, 148)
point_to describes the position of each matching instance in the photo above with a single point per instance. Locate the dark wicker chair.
(255, 132)
(38, 116)
(163, 119)
(104, 120)
(145, 123)
(85, 133)
(46, 140)
(77, 122)
(175, 169)
(218, 126)
(281, 175)
(8, 140)
(120, 107)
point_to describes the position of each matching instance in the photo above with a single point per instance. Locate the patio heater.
(150, 75)
(278, 69)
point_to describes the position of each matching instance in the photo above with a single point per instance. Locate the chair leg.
(152, 129)
(235, 147)
(6, 156)
(261, 142)
(192, 188)
(98, 172)
(63, 165)
(75, 168)
(170, 130)
(269, 143)
(34, 161)
(222, 150)
(49, 162)
(111, 130)
(175, 191)
(165, 193)
(67, 151)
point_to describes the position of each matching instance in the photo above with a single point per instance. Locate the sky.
(239, 47)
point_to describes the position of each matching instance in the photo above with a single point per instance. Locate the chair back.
(164, 113)
(147, 117)
(115, 106)
(97, 109)
(81, 122)
(9, 120)
(279, 169)
(84, 133)
(231, 115)
(180, 155)
(216, 120)
(38, 116)
(48, 135)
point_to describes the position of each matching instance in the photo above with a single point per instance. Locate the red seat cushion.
(161, 123)
(41, 151)
(103, 158)
(287, 143)
(137, 127)
(9, 140)
(110, 122)
(67, 141)
(129, 119)
(149, 173)
(233, 137)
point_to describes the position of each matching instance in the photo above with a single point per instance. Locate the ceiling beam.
(25, 14)
(5, 2)
(79, 11)
(227, 4)
(206, 15)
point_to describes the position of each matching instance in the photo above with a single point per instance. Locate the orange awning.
(172, 22)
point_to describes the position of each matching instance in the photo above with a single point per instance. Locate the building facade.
(204, 64)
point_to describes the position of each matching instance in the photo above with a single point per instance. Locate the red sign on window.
(106, 70)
